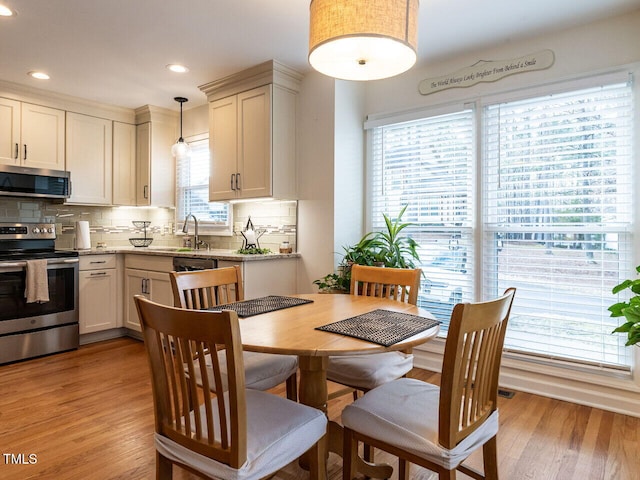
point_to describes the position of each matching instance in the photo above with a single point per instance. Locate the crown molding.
(270, 72)
(151, 113)
(68, 103)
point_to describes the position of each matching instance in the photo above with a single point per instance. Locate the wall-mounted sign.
(487, 71)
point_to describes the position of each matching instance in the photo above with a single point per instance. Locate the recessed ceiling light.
(6, 11)
(175, 67)
(39, 75)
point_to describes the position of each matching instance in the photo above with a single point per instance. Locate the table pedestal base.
(313, 392)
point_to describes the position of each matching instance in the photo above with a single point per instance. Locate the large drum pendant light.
(180, 148)
(363, 39)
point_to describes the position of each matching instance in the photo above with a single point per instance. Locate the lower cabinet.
(150, 279)
(98, 285)
(267, 277)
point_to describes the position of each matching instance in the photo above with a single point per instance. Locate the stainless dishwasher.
(188, 264)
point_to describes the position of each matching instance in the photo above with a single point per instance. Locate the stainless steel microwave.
(33, 182)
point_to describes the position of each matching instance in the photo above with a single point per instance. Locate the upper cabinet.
(156, 132)
(31, 135)
(252, 117)
(124, 164)
(89, 159)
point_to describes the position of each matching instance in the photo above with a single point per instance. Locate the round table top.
(291, 331)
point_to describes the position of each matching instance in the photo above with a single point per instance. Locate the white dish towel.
(37, 283)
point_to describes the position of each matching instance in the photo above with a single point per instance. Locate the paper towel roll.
(83, 239)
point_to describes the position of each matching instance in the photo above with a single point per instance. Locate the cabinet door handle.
(233, 177)
(25, 151)
(237, 181)
(17, 151)
(145, 191)
(95, 274)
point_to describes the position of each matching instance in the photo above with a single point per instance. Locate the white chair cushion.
(262, 371)
(278, 432)
(368, 371)
(404, 413)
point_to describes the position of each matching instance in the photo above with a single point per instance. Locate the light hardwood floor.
(87, 414)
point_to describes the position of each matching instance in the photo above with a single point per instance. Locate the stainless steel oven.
(33, 329)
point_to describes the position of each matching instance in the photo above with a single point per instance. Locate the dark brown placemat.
(383, 327)
(256, 306)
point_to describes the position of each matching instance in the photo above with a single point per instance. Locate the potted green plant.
(388, 248)
(393, 248)
(630, 310)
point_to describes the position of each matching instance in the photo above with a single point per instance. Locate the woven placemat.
(256, 306)
(383, 327)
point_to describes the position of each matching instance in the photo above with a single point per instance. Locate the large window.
(555, 220)
(192, 191)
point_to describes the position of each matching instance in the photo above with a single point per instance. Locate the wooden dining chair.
(364, 372)
(202, 289)
(239, 434)
(439, 427)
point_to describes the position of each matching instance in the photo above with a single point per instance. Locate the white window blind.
(192, 191)
(427, 164)
(557, 219)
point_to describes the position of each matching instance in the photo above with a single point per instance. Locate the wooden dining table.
(292, 331)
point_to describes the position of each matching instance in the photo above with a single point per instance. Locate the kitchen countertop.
(214, 253)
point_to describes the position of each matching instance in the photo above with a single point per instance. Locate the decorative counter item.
(253, 251)
(251, 236)
(285, 247)
(141, 242)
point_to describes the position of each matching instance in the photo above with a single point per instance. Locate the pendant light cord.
(181, 100)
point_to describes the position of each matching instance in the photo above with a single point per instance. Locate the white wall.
(195, 121)
(348, 181)
(315, 153)
(581, 50)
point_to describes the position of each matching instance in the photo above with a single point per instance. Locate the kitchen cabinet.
(252, 134)
(89, 159)
(31, 135)
(98, 293)
(124, 164)
(155, 171)
(147, 276)
(267, 277)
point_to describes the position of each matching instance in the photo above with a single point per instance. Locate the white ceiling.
(115, 51)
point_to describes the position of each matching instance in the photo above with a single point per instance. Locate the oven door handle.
(49, 262)
(62, 261)
(13, 264)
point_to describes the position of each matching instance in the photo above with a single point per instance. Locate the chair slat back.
(471, 366)
(176, 340)
(201, 289)
(401, 284)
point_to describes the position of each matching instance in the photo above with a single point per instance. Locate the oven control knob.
(51, 230)
(36, 230)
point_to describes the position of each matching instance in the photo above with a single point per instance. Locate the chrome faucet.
(185, 229)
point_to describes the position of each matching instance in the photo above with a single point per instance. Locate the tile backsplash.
(275, 220)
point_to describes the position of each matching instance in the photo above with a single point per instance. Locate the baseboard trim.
(619, 395)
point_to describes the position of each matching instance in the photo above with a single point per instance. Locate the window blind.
(557, 219)
(427, 164)
(192, 191)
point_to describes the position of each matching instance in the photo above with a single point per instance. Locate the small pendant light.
(180, 148)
